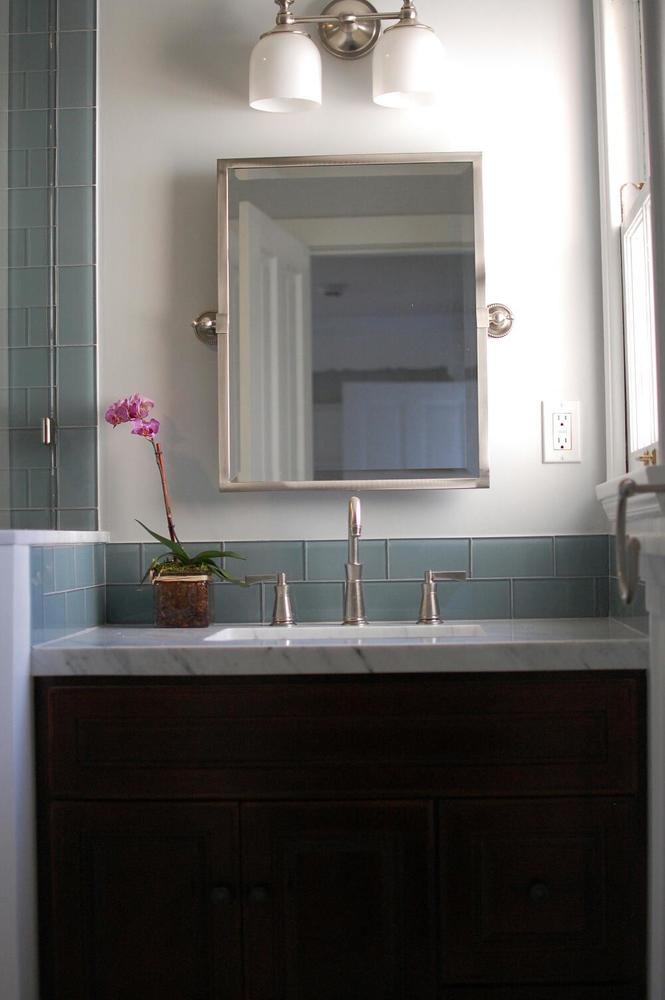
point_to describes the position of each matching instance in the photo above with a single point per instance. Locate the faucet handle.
(282, 612)
(429, 602)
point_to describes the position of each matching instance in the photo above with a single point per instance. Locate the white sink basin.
(302, 635)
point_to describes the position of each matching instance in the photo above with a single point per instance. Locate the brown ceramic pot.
(181, 601)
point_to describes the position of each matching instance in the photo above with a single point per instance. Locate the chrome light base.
(352, 38)
(501, 320)
(205, 327)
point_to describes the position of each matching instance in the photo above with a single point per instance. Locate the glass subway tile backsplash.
(573, 576)
(47, 263)
(543, 577)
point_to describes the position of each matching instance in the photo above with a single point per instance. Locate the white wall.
(173, 93)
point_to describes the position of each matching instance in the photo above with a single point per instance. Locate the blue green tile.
(77, 15)
(75, 155)
(38, 326)
(14, 405)
(76, 305)
(38, 406)
(83, 559)
(26, 248)
(29, 167)
(602, 597)
(239, 605)
(28, 367)
(48, 569)
(267, 557)
(99, 558)
(556, 598)
(76, 386)
(76, 69)
(55, 617)
(469, 599)
(95, 606)
(77, 520)
(75, 610)
(582, 555)
(127, 605)
(475, 599)
(150, 551)
(75, 229)
(29, 52)
(28, 208)
(39, 486)
(27, 450)
(325, 560)
(505, 557)
(312, 602)
(29, 15)
(612, 556)
(19, 488)
(5, 490)
(32, 520)
(14, 327)
(410, 558)
(28, 286)
(77, 469)
(65, 567)
(29, 130)
(392, 601)
(123, 563)
(29, 92)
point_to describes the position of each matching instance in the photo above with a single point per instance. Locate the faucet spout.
(355, 527)
(354, 604)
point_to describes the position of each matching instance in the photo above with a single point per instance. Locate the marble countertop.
(552, 644)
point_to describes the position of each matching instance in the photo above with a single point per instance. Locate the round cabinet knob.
(539, 892)
(258, 893)
(221, 894)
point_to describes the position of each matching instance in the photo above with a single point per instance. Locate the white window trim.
(646, 513)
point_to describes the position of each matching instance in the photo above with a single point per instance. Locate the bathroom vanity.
(346, 822)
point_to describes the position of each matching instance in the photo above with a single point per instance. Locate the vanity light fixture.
(285, 65)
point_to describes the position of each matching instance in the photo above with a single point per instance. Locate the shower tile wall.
(47, 263)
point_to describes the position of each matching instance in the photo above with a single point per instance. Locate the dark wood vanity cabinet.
(421, 837)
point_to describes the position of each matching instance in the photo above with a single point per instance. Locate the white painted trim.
(645, 513)
(18, 897)
(29, 537)
(612, 293)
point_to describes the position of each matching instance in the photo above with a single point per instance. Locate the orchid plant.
(136, 410)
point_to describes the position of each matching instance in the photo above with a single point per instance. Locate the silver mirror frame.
(226, 480)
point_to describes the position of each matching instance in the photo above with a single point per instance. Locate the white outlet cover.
(552, 453)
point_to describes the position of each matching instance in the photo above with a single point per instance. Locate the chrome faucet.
(354, 604)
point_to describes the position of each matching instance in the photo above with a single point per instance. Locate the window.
(639, 329)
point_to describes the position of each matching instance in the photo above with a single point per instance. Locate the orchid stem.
(159, 458)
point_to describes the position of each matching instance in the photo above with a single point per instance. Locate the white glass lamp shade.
(285, 72)
(407, 69)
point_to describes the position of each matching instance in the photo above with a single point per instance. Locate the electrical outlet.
(561, 431)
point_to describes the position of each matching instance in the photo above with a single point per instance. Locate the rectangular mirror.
(352, 323)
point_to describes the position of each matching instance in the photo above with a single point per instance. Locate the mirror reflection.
(353, 344)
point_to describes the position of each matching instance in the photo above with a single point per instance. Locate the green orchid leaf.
(175, 547)
(215, 554)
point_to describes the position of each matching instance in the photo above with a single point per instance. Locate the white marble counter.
(552, 644)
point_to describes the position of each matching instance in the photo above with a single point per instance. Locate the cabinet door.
(338, 901)
(542, 890)
(143, 902)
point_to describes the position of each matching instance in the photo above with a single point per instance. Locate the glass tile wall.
(47, 264)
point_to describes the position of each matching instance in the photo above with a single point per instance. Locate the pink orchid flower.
(139, 406)
(117, 413)
(145, 428)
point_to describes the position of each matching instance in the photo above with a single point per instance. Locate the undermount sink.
(293, 635)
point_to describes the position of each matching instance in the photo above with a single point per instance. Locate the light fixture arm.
(342, 17)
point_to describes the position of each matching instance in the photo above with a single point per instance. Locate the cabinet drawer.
(542, 890)
(320, 737)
